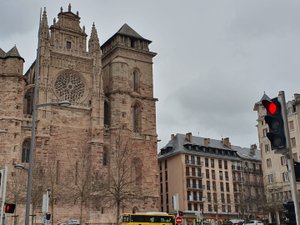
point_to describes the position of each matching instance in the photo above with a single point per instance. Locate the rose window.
(69, 86)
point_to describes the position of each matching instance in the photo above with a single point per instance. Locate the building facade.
(112, 112)
(214, 180)
(276, 177)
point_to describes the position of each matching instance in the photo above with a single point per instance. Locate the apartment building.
(213, 179)
(276, 177)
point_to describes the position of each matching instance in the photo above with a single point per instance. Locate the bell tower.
(130, 105)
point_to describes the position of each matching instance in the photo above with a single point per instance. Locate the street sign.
(178, 220)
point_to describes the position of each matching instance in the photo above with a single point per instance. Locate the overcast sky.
(215, 58)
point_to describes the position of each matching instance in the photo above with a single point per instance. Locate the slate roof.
(245, 153)
(179, 144)
(128, 31)
(2, 53)
(264, 97)
(12, 53)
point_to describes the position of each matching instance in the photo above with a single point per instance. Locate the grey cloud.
(263, 18)
(18, 17)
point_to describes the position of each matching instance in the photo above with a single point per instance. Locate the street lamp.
(32, 148)
(20, 166)
(34, 112)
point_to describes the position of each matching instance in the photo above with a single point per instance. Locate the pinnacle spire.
(44, 28)
(94, 45)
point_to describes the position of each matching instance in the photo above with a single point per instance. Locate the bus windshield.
(147, 218)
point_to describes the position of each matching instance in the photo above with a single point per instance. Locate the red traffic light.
(10, 208)
(275, 121)
(271, 107)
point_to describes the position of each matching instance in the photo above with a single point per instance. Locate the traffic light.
(297, 171)
(1, 182)
(48, 216)
(289, 211)
(180, 213)
(10, 207)
(275, 121)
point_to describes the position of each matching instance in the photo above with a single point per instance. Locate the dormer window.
(68, 45)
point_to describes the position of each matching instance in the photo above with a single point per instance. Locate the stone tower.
(111, 93)
(12, 85)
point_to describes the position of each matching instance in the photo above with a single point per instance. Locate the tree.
(58, 188)
(16, 190)
(123, 182)
(38, 187)
(82, 180)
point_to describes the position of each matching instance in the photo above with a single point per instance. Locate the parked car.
(234, 222)
(254, 222)
(70, 222)
(206, 223)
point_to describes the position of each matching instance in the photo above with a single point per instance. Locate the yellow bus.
(148, 218)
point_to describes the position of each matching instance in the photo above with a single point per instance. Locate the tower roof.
(264, 97)
(2, 53)
(12, 53)
(128, 31)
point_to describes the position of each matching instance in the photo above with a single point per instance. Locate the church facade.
(104, 141)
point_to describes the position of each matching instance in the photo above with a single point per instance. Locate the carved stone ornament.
(70, 86)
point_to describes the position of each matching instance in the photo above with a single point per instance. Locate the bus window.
(125, 219)
(130, 219)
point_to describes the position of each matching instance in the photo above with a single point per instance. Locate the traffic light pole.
(4, 174)
(289, 156)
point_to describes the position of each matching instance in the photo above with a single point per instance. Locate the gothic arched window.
(105, 156)
(28, 101)
(136, 81)
(136, 117)
(106, 113)
(25, 151)
(137, 171)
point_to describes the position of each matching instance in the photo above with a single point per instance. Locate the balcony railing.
(233, 167)
(196, 175)
(195, 187)
(193, 162)
(196, 199)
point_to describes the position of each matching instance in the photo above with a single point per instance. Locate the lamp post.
(34, 116)
(32, 148)
(3, 131)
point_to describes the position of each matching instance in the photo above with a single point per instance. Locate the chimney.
(252, 149)
(172, 136)
(188, 136)
(226, 142)
(206, 141)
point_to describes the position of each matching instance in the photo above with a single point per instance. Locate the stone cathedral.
(84, 150)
